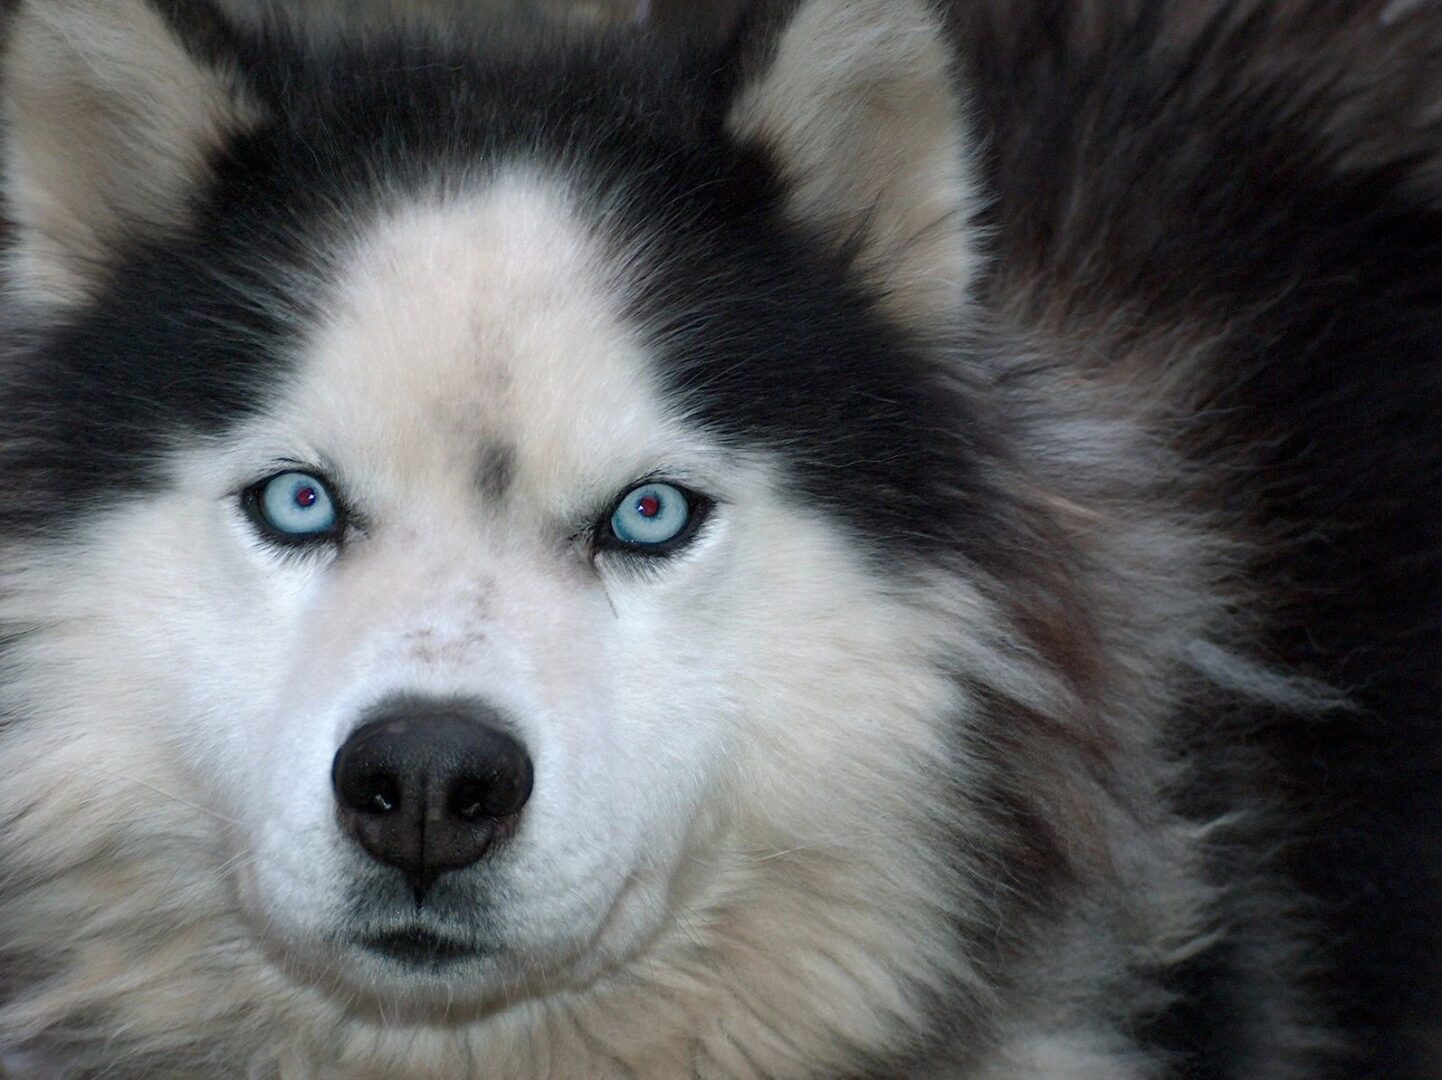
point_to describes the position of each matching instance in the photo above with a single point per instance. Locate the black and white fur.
(1051, 692)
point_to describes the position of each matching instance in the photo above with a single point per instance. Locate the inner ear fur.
(858, 104)
(109, 120)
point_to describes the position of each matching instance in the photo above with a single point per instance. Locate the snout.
(429, 785)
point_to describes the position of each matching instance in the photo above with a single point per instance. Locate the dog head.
(474, 515)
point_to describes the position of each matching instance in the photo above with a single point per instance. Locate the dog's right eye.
(294, 507)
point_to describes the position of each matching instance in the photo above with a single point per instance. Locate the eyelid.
(278, 466)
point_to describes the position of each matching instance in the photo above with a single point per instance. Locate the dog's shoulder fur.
(1232, 210)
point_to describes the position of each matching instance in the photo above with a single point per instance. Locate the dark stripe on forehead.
(495, 471)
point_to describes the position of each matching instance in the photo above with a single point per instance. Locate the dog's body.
(918, 526)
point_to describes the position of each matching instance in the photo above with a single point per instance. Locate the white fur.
(107, 125)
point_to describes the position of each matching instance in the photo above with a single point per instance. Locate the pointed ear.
(857, 102)
(109, 119)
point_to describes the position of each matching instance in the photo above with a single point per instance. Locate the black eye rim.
(605, 541)
(252, 503)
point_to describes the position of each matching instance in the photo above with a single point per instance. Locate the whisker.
(110, 774)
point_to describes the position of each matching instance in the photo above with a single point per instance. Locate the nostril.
(498, 793)
(374, 793)
(467, 801)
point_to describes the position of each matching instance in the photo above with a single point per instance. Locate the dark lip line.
(417, 946)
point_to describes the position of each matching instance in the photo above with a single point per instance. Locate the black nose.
(429, 785)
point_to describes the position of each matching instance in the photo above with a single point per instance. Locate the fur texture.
(1048, 692)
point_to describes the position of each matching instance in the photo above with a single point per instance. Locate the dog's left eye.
(654, 518)
(294, 507)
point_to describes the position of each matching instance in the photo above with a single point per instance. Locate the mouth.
(418, 947)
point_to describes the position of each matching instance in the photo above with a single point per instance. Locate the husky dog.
(903, 543)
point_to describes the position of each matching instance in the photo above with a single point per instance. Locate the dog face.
(483, 411)
(475, 576)
(488, 417)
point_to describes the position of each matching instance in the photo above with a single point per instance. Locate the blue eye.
(295, 506)
(652, 516)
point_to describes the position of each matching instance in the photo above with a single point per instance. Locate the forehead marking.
(481, 346)
(495, 470)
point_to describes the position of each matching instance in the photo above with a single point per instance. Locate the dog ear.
(112, 110)
(857, 103)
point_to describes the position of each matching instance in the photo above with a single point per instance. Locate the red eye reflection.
(648, 505)
(306, 497)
